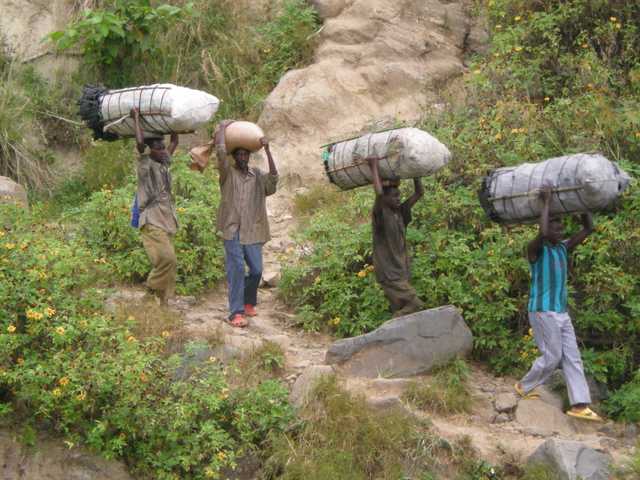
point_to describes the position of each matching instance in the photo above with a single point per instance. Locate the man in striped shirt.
(550, 322)
(242, 220)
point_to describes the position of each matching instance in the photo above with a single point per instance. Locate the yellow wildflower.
(498, 136)
(477, 72)
(336, 320)
(81, 396)
(38, 316)
(60, 330)
(531, 331)
(517, 19)
(122, 436)
(222, 455)
(49, 311)
(371, 268)
(131, 340)
(496, 55)
(535, 351)
(57, 392)
(165, 334)
(317, 279)
(362, 273)
(289, 250)
(182, 209)
(43, 275)
(212, 359)
(524, 355)
(518, 49)
(618, 25)
(64, 381)
(143, 377)
(131, 318)
(83, 323)
(42, 291)
(9, 246)
(498, 26)
(23, 246)
(584, 45)
(613, 19)
(11, 328)
(20, 361)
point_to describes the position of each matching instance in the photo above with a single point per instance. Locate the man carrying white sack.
(552, 328)
(242, 219)
(158, 220)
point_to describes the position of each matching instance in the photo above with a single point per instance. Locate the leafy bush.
(119, 32)
(106, 218)
(96, 377)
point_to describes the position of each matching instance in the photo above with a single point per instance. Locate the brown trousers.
(401, 296)
(159, 247)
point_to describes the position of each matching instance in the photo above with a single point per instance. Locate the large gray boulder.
(572, 460)
(404, 346)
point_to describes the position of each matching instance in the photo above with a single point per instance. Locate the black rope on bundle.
(91, 113)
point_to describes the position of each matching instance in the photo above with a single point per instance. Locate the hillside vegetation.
(560, 77)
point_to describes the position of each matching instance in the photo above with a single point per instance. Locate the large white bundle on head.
(164, 109)
(404, 153)
(582, 182)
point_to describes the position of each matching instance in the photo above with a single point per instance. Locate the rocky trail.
(501, 427)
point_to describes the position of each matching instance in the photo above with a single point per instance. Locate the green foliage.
(333, 280)
(119, 31)
(99, 378)
(625, 402)
(106, 221)
(286, 41)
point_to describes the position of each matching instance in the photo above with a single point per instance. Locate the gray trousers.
(556, 342)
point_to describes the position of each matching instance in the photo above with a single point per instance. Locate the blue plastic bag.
(135, 215)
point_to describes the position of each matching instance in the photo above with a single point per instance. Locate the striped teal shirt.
(548, 291)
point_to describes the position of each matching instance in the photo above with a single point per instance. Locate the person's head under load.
(555, 231)
(241, 157)
(159, 151)
(391, 196)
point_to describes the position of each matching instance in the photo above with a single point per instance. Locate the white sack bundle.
(579, 183)
(164, 109)
(404, 153)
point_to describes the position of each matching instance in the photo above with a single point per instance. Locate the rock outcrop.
(377, 60)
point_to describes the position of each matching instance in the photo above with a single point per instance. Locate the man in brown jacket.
(158, 220)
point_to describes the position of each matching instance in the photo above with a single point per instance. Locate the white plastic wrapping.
(164, 109)
(404, 153)
(582, 182)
